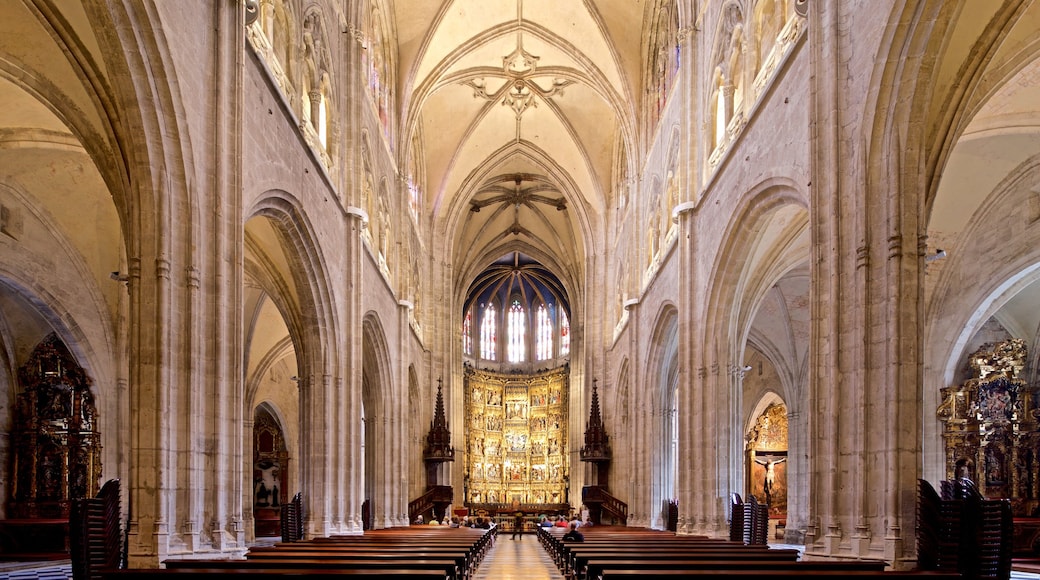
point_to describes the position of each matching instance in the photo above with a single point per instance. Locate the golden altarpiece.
(766, 451)
(55, 442)
(516, 438)
(990, 427)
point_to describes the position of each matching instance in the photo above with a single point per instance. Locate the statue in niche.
(538, 473)
(475, 496)
(995, 466)
(494, 398)
(492, 447)
(965, 469)
(368, 198)
(518, 442)
(670, 199)
(478, 396)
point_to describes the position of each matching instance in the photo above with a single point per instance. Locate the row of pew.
(416, 552)
(614, 553)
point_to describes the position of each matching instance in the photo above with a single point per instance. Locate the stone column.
(866, 308)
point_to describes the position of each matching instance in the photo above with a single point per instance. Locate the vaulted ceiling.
(521, 104)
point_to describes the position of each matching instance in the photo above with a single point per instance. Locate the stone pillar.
(686, 455)
(864, 352)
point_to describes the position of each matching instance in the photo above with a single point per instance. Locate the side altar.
(991, 434)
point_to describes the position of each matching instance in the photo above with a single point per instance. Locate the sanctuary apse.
(264, 229)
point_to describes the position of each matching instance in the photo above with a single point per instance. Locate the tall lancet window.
(467, 333)
(517, 332)
(488, 336)
(543, 334)
(565, 333)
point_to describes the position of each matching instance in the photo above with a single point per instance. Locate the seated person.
(545, 523)
(561, 522)
(573, 535)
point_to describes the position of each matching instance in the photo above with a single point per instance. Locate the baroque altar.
(990, 428)
(516, 438)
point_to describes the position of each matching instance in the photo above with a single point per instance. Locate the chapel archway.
(664, 380)
(376, 380)
(271, 471)
(765, 465)
(981, 258)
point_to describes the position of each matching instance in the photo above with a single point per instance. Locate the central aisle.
(517, 560)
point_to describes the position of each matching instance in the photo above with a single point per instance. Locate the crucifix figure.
(767, 484)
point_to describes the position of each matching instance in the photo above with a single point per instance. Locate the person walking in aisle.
(518, 526)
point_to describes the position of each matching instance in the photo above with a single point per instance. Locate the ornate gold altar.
(766, 469)
(516, 438)
(55, 441)
(990, 427)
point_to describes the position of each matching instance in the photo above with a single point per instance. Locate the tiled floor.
(517, 559)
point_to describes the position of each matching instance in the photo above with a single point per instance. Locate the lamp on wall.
(938, 255)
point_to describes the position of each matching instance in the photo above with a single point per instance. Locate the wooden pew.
(403, 573)
(821, 575)
(598, 568)
(447, 568)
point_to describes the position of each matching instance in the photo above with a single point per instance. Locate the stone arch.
(624, 444)
(377, 396)
(418, 406)
(766, 236)
(283, 256)
(974, 284)
(662, 383)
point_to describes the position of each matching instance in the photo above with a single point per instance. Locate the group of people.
(572, 535)
(456, 522)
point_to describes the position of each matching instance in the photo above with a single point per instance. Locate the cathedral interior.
(642, 254)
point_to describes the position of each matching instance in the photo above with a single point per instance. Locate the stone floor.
(517, 559)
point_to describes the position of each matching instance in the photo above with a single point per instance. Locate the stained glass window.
(565, 333)
(543, 333)
(517, 332)
(467, 333)
(488, 337)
